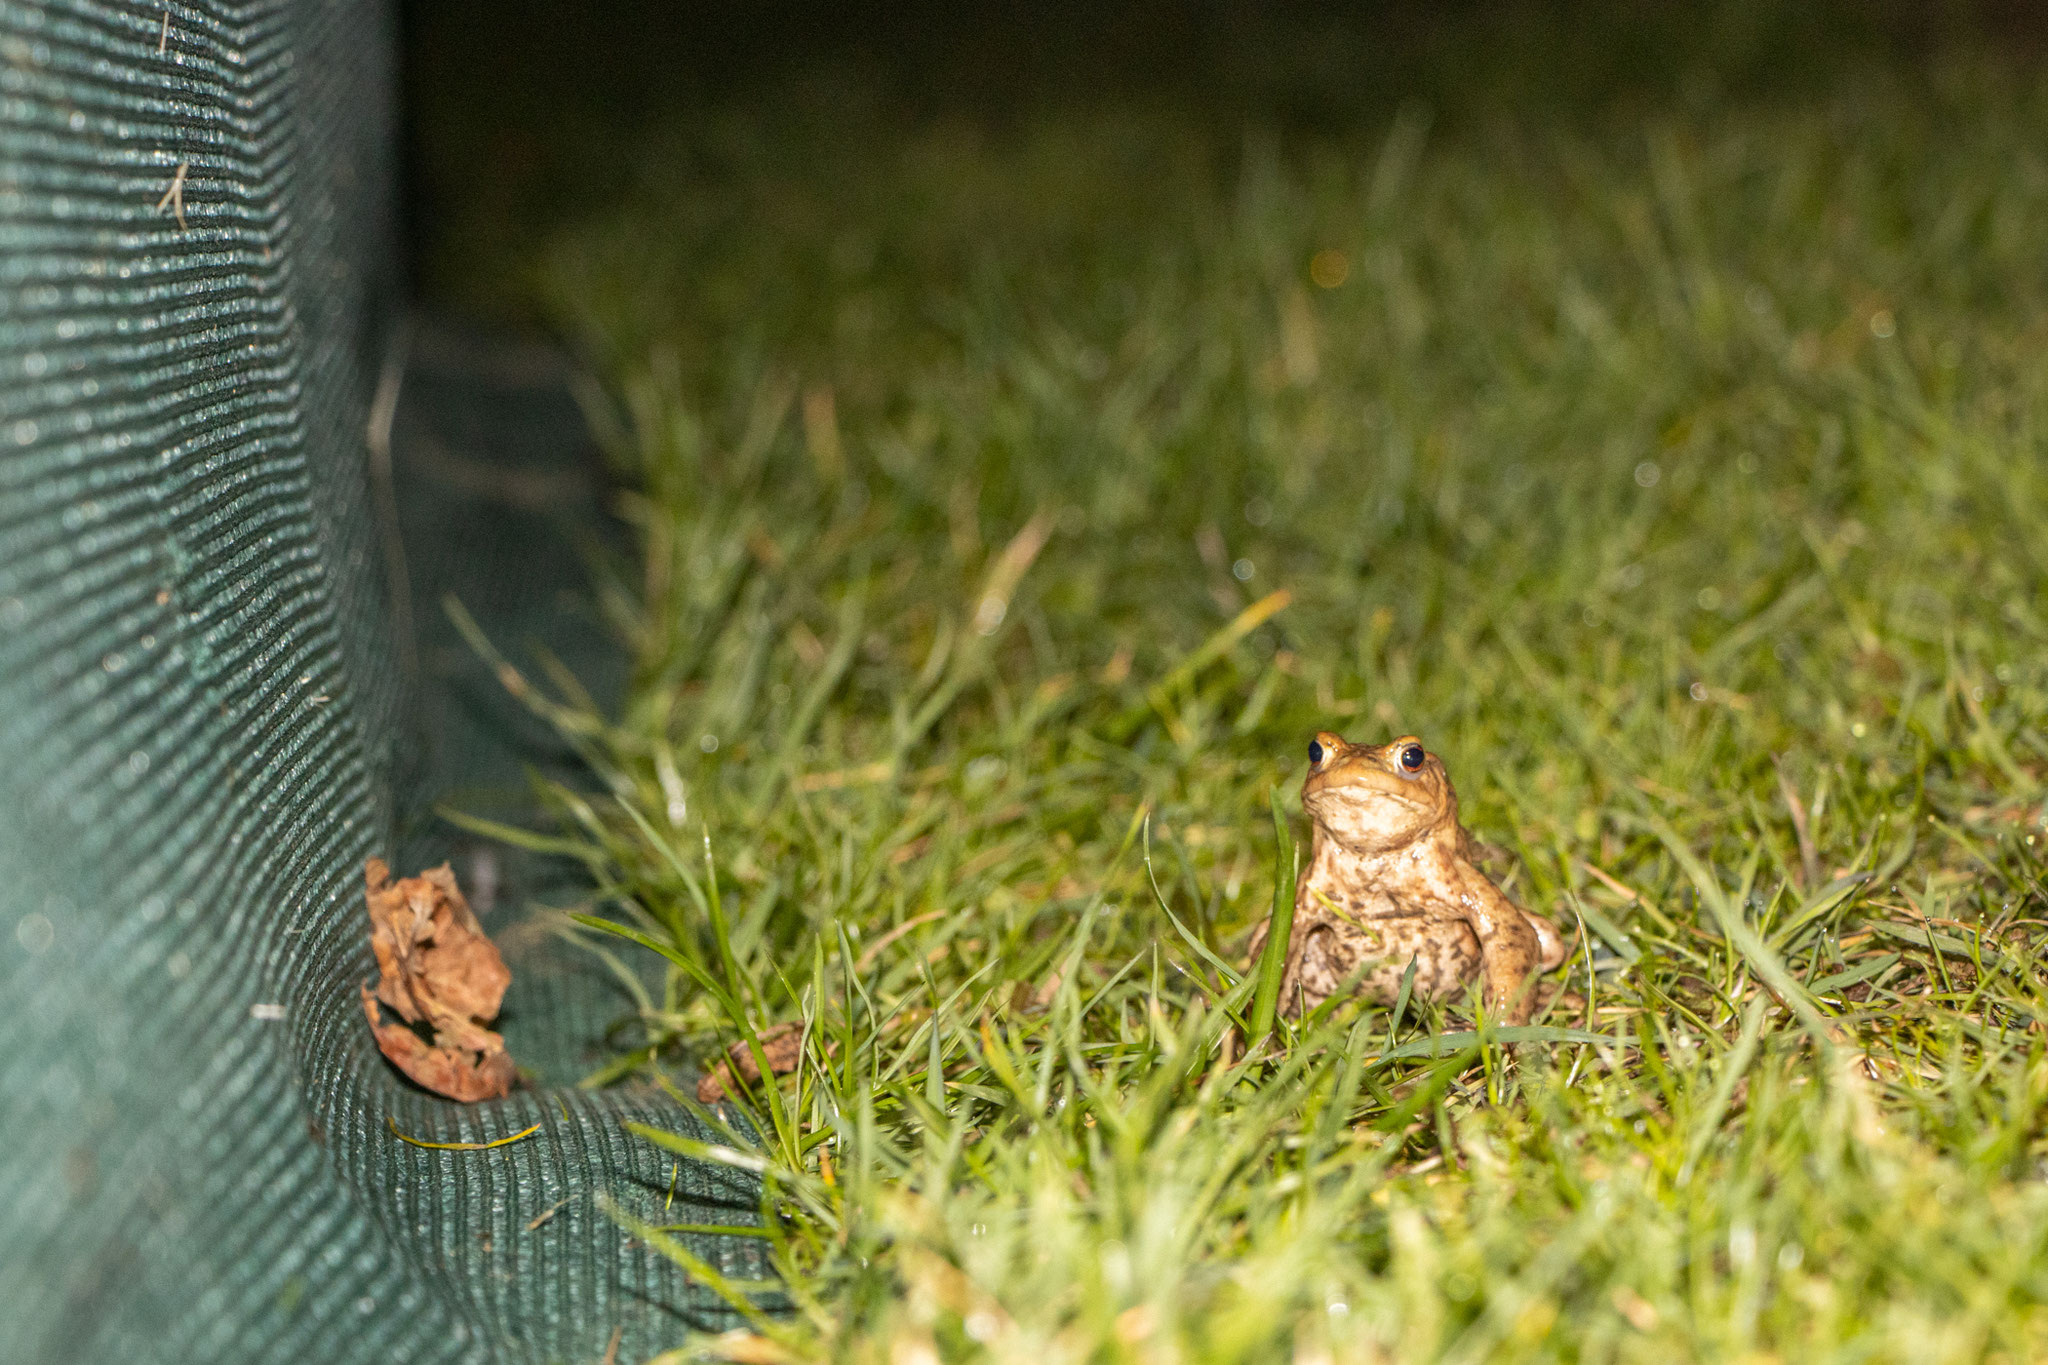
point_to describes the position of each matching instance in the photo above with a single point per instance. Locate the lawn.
(1016, 497)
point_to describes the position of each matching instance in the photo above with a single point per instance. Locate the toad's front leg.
(1509, 950)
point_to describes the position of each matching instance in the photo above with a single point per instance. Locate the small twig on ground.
(548, 1212)
(174, 197)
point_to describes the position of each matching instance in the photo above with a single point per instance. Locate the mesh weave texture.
(206, 726)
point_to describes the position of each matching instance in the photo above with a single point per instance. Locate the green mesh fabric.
(209, 717)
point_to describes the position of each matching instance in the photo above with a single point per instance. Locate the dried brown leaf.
(437, 971)
(782, 1045)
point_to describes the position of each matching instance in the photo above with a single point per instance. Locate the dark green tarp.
(222, 687)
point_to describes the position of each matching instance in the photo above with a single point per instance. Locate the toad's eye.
(1315, 753)
(1411, 758)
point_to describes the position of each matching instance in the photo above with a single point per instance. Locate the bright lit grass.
(1681, 482)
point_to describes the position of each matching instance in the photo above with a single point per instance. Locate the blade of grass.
(1272, 962)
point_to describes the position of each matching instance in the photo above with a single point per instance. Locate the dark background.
(523, 115)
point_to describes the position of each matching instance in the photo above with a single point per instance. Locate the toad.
(1390, 881)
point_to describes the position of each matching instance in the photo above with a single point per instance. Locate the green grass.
(1674, 470)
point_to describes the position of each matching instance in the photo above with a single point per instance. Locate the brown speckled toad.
(1390, 881)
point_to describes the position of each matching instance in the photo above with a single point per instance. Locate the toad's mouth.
(1371, 788)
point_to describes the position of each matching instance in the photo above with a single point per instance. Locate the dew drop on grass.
(1243, 570)
(1647, 474)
